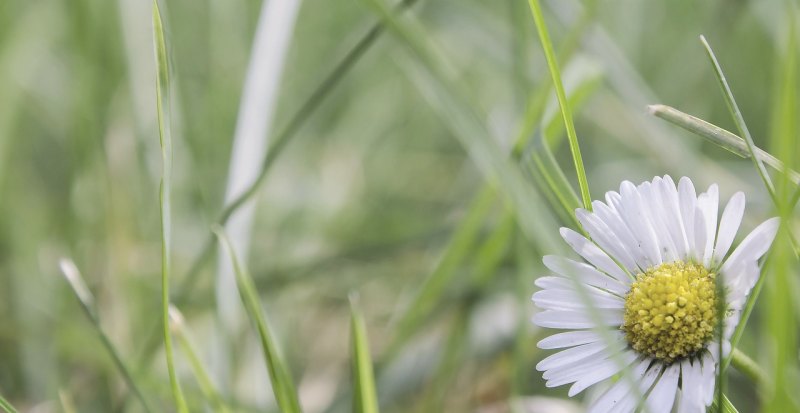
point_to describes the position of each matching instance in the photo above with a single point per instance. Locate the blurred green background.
(371, 193)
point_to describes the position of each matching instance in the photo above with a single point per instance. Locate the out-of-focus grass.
(372, 191)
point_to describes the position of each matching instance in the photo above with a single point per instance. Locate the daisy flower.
(641, 314)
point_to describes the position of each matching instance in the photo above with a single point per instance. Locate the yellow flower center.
(670, 311)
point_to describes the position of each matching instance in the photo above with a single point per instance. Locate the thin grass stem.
(365, 397)
(566, 112)
(739, 119)
(165, 137)
(86, 300)
(282, 383)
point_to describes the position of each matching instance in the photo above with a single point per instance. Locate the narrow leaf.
(282, 384)
(718, 136)
(365, 397)
(566, 112)
(162, 106)
(86, 300)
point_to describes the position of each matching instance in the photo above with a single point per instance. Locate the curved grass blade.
(365, 398)
(566, 112)
(738, 119)
(282, 384)
(178, 326)
(86, 300)
(165, 137)
(6, 406)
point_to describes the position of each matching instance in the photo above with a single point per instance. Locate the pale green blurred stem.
(187, 346)
(748, 367)
(165, 137)
(86, 300)
(719, 136)
(6, 406)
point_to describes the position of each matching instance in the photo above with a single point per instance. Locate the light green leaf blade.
(162, 106)
(282, 383)
(365, 398)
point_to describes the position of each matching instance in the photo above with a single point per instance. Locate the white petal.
(728, 226)
(570, 299)
(699, 235)
(613, 218)
(754, 245)
(639, 224)
(634, 398)
(577, 319)
(602, 372)
(650, 194)
(594, 255)
(602, 235)
(554, 283)
(708, 203)
(570, 356)
(575, 372)
(662, 397)
(691, 385)
(616, 393)
(708, 372)
(569, 339)
(688, 202)
(666, 212)
(584, 273)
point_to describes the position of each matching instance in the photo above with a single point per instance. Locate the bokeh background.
(373, 192)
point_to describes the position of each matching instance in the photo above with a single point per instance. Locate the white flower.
(646, 304)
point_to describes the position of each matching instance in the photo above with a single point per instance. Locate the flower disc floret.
(670, 311)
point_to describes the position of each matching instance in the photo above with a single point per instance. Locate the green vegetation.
(422, 158)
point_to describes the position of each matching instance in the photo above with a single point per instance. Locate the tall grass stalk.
(87, 302)
(6, 406)
(165, 137)
(365, 397)
(282, 383)
(258, 102)
(566, 112)
(738, 119)
(178, 326)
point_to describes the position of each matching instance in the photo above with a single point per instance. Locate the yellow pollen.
(670, 311)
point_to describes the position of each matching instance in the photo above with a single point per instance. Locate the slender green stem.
(723, 406)
(6, 406)
(366, 398)
(280, 377)
(739, 120)
(187, 346)
(748, 367)
(566, 113)
(162, 106)
(86, 300)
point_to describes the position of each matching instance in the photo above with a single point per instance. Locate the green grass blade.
(724, 407)
(165, 137)
(566, 112)
(86, 300)
(781, 305)
(6, 406)
(282, 384)
(178, 326)
(365, 399)
(723, 138)
(738, 118)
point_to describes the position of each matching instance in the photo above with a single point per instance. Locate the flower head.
(657, 283)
